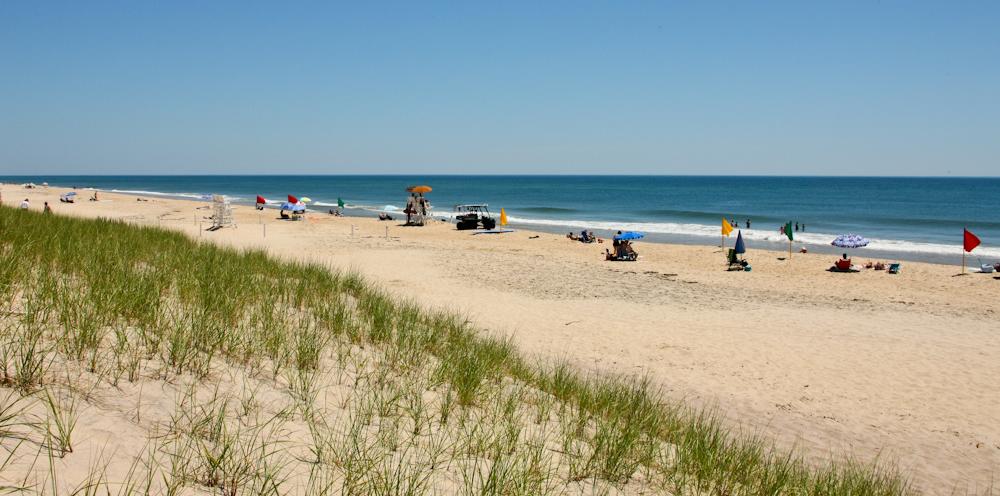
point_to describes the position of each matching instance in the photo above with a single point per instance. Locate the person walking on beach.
(47, 209)
(803, 228)
(796, 227)
(25, 204)
(748, 223)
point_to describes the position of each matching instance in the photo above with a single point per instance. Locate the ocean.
(906, 218)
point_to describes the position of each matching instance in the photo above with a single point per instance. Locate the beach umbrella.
(419, 189)
(629, 235)
(740, 246)
(71, 193)
(305, 199)
(293, 207)
(261, 200)
(850, 241)
(292, 199)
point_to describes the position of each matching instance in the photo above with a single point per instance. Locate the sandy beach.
(870, 365)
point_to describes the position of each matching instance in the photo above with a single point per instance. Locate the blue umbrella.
(740, 247)
(850, 241)
(293, 207)
(629, 235)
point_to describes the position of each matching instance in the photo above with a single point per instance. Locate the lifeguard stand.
(222, 213)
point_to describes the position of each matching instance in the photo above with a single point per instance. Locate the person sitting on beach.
(572, 236)
(627, 248)
(384, 216)
(94, 198)
(869, 265)
(283, 215)
(585, 237)
(879, 265)
(25, 204)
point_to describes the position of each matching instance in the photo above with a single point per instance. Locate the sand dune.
(868, 364)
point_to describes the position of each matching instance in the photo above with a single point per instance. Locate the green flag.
(340, 202)
(788, 231)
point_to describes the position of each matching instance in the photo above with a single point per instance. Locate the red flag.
(261, 200)
(293, 200)
(971, 241)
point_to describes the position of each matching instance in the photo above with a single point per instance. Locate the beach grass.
(300, 379)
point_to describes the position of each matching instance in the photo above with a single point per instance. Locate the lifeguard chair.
(222, 213)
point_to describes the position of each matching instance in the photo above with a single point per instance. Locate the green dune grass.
(378, 395)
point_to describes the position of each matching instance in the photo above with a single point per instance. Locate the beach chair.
(894, 268)
(842, 265)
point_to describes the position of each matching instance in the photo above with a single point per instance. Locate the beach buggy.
(471, 216)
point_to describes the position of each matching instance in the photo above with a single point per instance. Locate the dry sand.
(870, 365)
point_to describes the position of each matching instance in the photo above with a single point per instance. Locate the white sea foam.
(670, 228)
(811, 238)
(197, 196)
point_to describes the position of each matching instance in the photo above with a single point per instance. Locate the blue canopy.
(850, 241)
(740, 247)
(629, 235)
(293, 207)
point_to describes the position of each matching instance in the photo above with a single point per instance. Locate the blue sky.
(879, 88)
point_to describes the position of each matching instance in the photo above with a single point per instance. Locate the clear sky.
(890, 88)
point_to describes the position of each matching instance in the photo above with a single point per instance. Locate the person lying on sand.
(572, 236)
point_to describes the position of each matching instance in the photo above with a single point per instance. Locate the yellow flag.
(503, 217)
(726, 227)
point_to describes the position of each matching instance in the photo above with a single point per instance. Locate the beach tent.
(69, 197)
